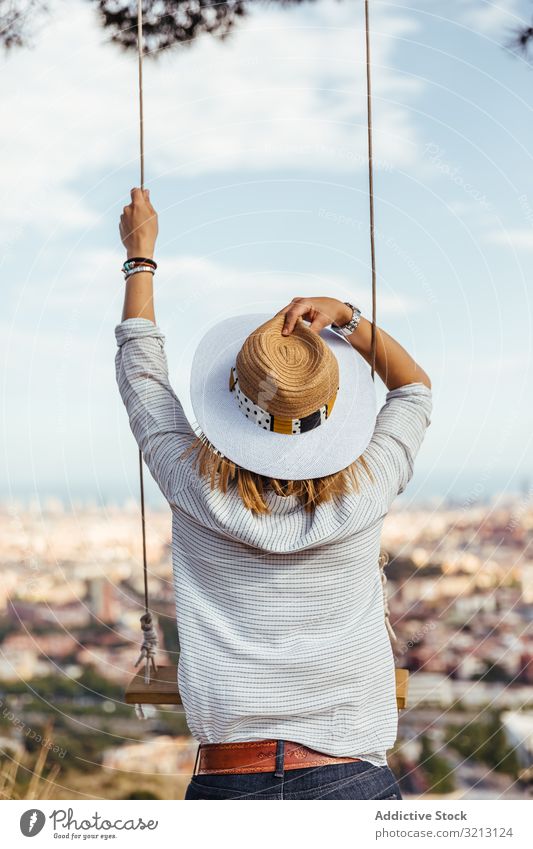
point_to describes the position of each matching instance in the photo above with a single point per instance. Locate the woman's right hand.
(321, 312)
(138, 225)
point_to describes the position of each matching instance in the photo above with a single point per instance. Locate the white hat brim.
(327, 449)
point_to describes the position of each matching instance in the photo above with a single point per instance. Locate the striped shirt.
(280, 616)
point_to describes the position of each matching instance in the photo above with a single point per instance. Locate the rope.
(371, 184)
(383, 560)
(140, 52)
(150, 641)
(148, 652)
(383, 557)
(148, 647)
(143, 525)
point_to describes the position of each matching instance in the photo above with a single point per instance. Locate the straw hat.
(290, 407)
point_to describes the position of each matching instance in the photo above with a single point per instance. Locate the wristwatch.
(348, 329)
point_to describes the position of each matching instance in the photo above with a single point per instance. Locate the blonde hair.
(252, 486)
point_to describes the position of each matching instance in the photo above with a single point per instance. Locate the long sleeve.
(400, 428)
(156, 416)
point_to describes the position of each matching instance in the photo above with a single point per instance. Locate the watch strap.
(348, 328)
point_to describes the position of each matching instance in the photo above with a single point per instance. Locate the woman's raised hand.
(138, 225)
(319, 311)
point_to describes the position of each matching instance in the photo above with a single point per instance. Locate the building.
(518, 727)
(163, 755)
(429, 688)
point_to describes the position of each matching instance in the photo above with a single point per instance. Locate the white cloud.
(87, 289)
(512, 238)
(285, 91)
(192, 292)
(209, 289)
(474, 214)
(58, 390)
(491, 18)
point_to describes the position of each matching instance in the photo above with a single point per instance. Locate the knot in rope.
(148, 652)
(148, 647)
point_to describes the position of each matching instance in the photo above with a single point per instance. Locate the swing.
(157, 685)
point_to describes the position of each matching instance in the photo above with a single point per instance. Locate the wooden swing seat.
(163, 688)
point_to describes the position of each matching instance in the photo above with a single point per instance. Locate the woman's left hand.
(321, 312)
(138, 225)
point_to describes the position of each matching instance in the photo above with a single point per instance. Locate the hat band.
(278, 424)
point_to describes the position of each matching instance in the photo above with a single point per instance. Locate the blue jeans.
(356, 780)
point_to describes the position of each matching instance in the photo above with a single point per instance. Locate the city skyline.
(459, 588)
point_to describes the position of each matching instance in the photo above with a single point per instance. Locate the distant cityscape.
(460, 592)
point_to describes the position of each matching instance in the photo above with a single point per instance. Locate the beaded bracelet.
(137, 269)
(138, 260)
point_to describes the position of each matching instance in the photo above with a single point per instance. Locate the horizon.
(474, 494)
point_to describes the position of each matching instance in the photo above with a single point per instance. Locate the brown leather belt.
(258, 756)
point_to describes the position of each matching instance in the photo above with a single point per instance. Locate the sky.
(256, 162)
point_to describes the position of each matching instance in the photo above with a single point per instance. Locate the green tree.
(485, 741)
(493, 672)
(438, 769)
(142, 794)
(167, 23)
(497, 751)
